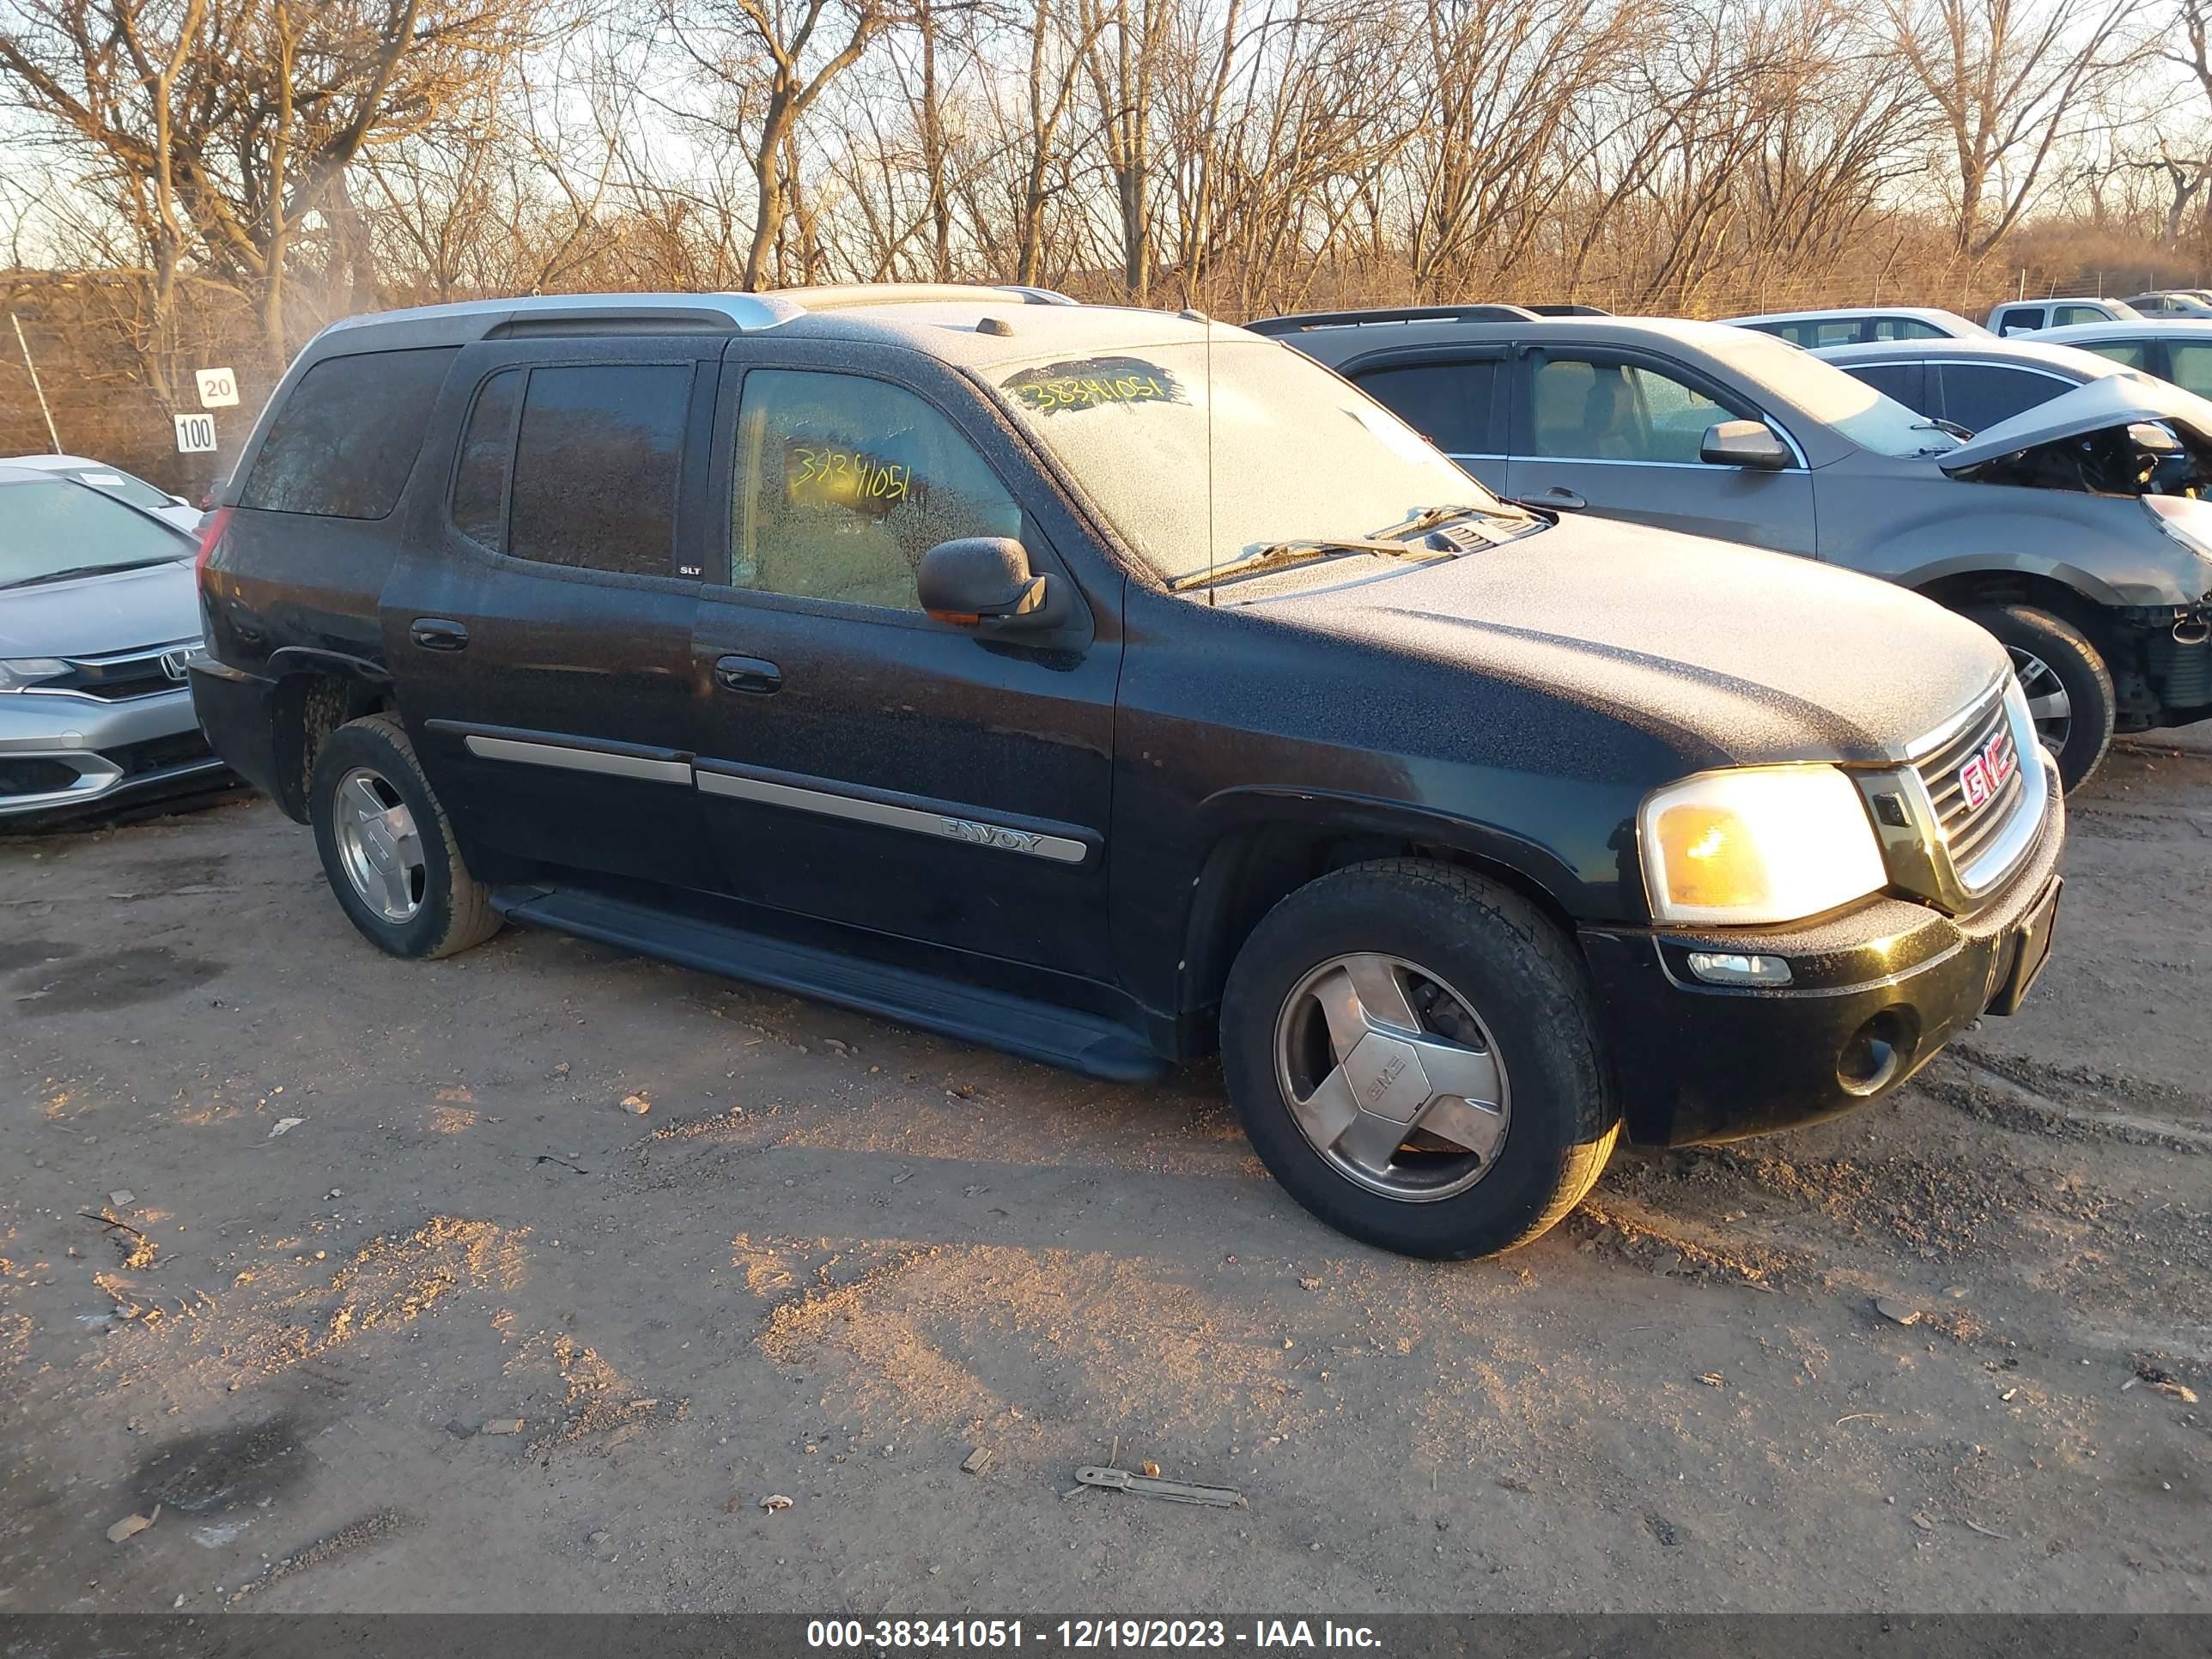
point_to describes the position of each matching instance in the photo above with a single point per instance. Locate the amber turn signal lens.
(1710, 859)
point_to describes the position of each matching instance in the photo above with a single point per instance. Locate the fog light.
(1718, 968)
(1877, 1052)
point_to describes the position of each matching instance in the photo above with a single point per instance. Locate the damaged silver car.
(2076, 532)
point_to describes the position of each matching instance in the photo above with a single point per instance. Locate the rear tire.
(1310, 1039)
(387, 849)
(2069, 689)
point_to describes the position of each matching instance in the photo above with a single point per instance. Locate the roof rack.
(848, 296)
(667, 313)
(1299, 321)
(1568, 310)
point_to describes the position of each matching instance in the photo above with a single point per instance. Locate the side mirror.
(980, 579)
(1745, 443)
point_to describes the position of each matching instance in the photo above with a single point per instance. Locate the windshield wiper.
(1281, 556)
(1937, 423)
(1430, 517)
(76, 570)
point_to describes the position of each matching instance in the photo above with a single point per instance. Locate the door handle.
(748, 674)
(1561, 496)
(437, 634)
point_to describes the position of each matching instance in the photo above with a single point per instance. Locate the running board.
(1057, 1036)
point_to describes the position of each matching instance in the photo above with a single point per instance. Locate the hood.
(97, 616)
(1730, 654)
(2114, 400)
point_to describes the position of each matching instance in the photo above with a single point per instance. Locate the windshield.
(1297, 455)
(51, 525)
(1830, 395)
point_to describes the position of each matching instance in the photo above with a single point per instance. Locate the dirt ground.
(291, 1233)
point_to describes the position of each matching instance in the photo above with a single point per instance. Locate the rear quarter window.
(344, 443)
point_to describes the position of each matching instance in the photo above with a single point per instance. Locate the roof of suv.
(2118, 308)
(2140, 328)
(1338, 343)
(2028, 350)
(1949, 321)
(944, 321)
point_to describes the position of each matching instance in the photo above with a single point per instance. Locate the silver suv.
(2073, 532)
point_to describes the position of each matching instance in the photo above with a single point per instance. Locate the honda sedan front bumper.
(64, 754)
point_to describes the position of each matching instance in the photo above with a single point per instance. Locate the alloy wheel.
(379, 846)
(1392, 1077)
(2048, 705)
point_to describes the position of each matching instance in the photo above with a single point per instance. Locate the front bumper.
(61, 756)
(1875, 993)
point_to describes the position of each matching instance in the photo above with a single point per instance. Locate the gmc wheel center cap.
(1387, 1077)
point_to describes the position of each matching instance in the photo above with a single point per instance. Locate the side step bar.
(1057, 1036)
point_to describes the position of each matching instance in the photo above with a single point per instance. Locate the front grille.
(160, 754)
(1968, 826)
(34, 776)
(115, 679)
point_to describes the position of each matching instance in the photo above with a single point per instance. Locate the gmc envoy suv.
(1109, 686)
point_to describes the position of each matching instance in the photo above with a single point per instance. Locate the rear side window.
(1979, 395)
(346, 438)
(1904, 328)
(2189, 367)
(2134, 354)
(2015, 319)
(1847, 332)
(597, 455)
(1448, 403)
(1903, 381)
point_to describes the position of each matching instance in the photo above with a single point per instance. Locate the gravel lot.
(833, 1258)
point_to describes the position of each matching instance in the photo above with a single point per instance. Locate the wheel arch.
(318, 693)
(2050, 585)
(1270, 845)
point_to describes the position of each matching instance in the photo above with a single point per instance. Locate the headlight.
(1761, 844)
(17, 673)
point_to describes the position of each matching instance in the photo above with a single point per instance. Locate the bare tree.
(239, 118)
(771, 60)
(2013, 83)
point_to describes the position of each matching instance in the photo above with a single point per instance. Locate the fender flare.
(1233, 821)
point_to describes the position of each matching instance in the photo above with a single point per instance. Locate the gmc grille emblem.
(1983, 776)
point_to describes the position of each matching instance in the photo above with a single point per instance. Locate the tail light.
(210, 534)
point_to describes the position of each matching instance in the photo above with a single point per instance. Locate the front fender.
(2086, 583)
(1916, 531)
(1264, 841)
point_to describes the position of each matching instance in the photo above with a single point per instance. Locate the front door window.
(1593, 410)
(843, 482)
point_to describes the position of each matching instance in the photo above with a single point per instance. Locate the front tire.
(387, 849)
(1412, 1053)
(2069, 687)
